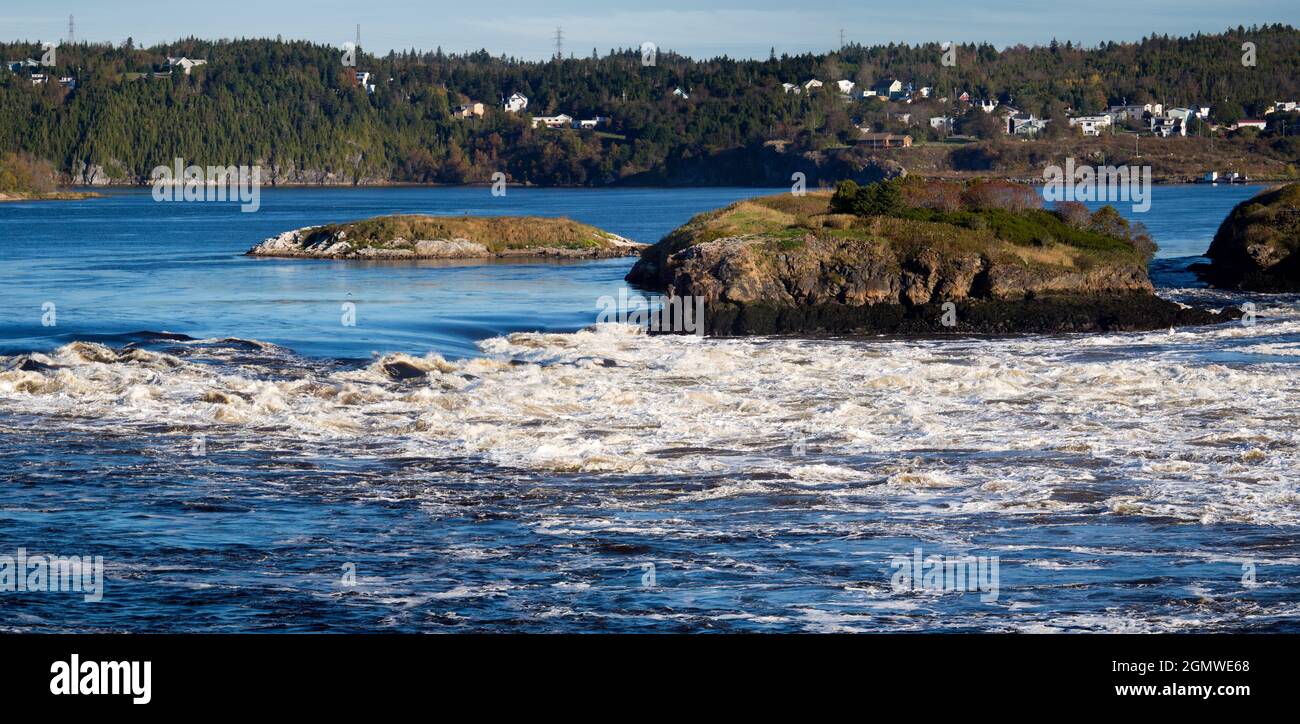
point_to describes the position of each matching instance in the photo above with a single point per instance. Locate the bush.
(23, 173)
(844, 198)
(1074, 213)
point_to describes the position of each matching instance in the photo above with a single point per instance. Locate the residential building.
(560, 121)
(681, 93)
(791, 88)
(845, 86)
(185, 64)
(810, 84)
(469, 110)
(1248, 123)
(888, 88)
(885, 140)
(1091, 125)
(515, 103)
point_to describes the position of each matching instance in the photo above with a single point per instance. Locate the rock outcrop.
(449, 237)
(784, 265)
(1257, 247)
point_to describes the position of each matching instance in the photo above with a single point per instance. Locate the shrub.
(844, 198)
(1074, 213)
(982, 194)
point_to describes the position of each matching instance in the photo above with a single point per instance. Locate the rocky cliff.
(1257, 247)
(785, 264)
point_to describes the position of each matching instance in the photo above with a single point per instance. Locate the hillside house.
(185, 64)
(470, 110)
(515, 103)
(885, 140)
(561, 121)
(1091, 125)
(809, 85)
(791, 88)
(681, 93)
(888, 88)
(845, 86)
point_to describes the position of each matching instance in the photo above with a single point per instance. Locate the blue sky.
(739, 28)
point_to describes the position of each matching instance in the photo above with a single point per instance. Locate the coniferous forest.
(297, 111)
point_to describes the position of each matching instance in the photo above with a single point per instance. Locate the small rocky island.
(1257, 247)
(449, 237)
(909, 256)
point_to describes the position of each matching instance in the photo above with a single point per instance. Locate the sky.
(699, 28)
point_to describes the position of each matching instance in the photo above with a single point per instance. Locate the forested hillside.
(296, 110)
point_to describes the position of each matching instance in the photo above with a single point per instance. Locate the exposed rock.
(796, 272)
(1257, 247)
(449, 237)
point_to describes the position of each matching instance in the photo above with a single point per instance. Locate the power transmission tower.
(358, 43)
(72, 36)
(559, 43)
(841, 38)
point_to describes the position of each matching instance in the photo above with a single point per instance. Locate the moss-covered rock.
(786, 264)
(449, 237)
(1257, 247)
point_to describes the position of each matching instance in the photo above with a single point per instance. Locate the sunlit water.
(486, 462)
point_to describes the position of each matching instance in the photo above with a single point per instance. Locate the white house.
(791, 88)
(1091, 125)
(1181, 114)
(986, 105)
(1168, 126)
(559, 121)
(39, 78)
(845, 86)
(889, 88)
(363, 80)
(681, 93)
(185, 64)
(516, 102)
(592, 123)
(941, 123)
(814, 83)
(68, 81)
(1243, 123)
(1283, 107)
(924, 91)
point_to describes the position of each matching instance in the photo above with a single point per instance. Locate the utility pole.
(357, 45)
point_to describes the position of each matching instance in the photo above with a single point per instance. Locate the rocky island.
(1257, 247)
(449, 237)
(909, 256)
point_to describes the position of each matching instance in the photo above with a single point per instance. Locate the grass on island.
(497, 233)
(997, 219)
(1270, 218)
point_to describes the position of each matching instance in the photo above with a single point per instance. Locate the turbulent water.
(606, 480)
